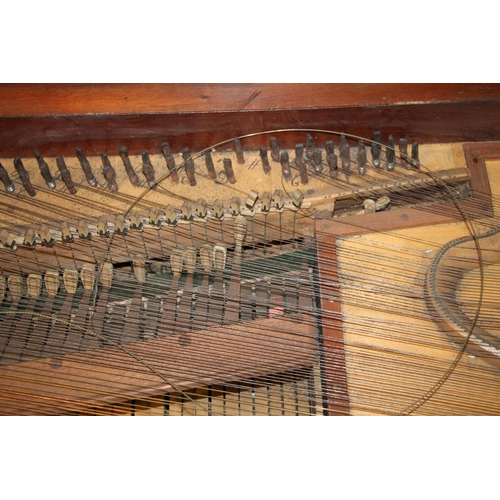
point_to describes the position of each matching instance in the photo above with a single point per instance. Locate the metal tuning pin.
(4, 177)
(70, 280)
(24, 176)
(46, 235)
(266, 199)
(109, 173)
(201, 208)
(345, 155)
(169, 158)
(329, 148)
(218, 209)
(87, 169)
(309, 146)
(403, 151)
(102, 226)
(264, 159)
(209, 164)
(154, 217)
(275, 149)
(189, 166)
(239, 151)
(361, 157)
(148, 169)
(297, 198)
(414, 155)
(317, 160)
(29, 237)
(45, 170)
(390, 154)
(139, 266)
(132, 176)
(66, 234)
(187, 211)
(251, 199)
(299, 163)
(278, 199)
(333, 165)
(376, 148)
(228, 168)
(285, 165)
(82, 228)
(65, 174)
(234, 205)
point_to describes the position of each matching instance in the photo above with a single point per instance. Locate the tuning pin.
(15, 284)
(135, 220)
(228, 168)
(51, 281)
(209, 164)
(278, 199)
(333, 165)
(390, 154)
(109, 173)
(70, 279)
(132, 176)
(139, 267)
(297, 198)
(154, 217)
(266, 201)
(4, 177)
(309, 146)
(66, 234)
(87, 169)
(169, 158)
(329, 148)
(251, 199)
(170, 215)
(187, 211)
(189, 166)
(414, 155)
(317, 160)
(345, 154)
(148, 169)
(82, 228)
(45, 171)
(29, 237)
(190, 259)
(24, 176)
(177, 261)
(102, 225)
(264, 159)
(218, 209)
(376, 148)
(201, 208)
(285, 165)
(119, 222)
(46, 235)
(65, 174)
(87, 275)
(7, 238)
(239, 151)
(361, 157)
(206, 256)
(275, 148)
(234, 205)
(301, 167)
(403, 151)
(220, 252)
(106, 274)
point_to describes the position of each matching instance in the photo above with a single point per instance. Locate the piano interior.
(272, 249)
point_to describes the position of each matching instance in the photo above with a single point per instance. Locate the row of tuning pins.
(313, 156)
(107, 170)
